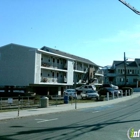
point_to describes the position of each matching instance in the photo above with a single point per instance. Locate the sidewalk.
(61, 108)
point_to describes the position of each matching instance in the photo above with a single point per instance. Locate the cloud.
(124, 37)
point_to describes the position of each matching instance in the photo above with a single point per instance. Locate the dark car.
(105, 90)
(110, 85)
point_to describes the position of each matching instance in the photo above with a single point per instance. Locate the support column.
(59, 90)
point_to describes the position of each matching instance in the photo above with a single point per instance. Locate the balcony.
(54, 66)
(111, 74)
(44, 64)
(53, 80)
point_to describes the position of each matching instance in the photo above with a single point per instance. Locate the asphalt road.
(110, 122)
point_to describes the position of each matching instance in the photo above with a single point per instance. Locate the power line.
(130, 7)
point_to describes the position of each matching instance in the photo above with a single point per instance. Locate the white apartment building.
(47, 70)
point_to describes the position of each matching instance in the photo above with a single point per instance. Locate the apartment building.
(122, 74)
(46, 70)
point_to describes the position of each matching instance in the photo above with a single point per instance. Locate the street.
(110, 122)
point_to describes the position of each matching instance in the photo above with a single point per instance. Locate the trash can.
(44, 101)
(66, 99)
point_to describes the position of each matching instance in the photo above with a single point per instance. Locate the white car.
(86, 87)
(89, 94)
(70, 93)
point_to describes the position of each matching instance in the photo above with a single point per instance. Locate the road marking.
(39, 119)
(95, 111)
(43, 120)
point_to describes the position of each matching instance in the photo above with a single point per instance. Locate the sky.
(98, 30)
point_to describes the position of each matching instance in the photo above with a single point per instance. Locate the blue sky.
(99, 30)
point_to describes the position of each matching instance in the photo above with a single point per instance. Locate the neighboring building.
(116, 73)
(46, 70)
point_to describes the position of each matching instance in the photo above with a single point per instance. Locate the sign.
(132, 134)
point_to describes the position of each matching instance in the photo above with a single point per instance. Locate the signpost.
(18, 104)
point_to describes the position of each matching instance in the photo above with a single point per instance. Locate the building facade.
(47, 70)
(123, 74)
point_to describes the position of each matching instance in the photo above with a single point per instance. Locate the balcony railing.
(54, 65)
(111, 74)
(53, 80)
(44, 64)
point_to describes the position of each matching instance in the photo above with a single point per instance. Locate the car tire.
(97, 99)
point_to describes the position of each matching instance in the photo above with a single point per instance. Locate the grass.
(36, 104)
(54, 102)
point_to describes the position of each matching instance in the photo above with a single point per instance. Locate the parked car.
(89, 94)
(86, 87)
(71, 93)
(110, 85)
(110, 90)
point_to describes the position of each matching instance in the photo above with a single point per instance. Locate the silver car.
(70, 93)
(89, 94)
(86, 87)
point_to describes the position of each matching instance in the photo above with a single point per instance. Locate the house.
(45, 70)
(123, 74)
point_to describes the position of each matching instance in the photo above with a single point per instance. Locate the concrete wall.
(70, 72)
(17, 65)
(37, 68)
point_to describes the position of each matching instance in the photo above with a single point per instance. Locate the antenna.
(130, 7)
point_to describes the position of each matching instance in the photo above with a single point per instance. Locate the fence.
(14, 102)
(11, 103)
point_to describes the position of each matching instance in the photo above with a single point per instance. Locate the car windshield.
(70, 90)
(110, 89)
(90, 91)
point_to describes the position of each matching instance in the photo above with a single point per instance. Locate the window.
(118, 70)
(134, 80)
(57, 60)
(53, 74)
(128, 71)
(133, 71)
(53, 60)
(121, 79)
(57, 74)
(64, 61)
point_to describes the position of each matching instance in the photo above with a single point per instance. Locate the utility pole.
(125, 77)
(130, 7)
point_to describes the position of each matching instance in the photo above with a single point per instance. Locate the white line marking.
(43, 120)
(95, 111)
(39, 119)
